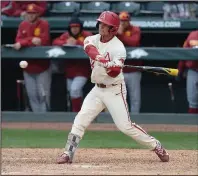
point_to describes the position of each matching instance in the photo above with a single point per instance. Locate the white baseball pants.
(114, 99)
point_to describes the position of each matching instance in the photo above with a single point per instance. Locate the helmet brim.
(105, 22)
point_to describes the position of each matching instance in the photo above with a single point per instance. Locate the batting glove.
(102, 61)
(108, 64)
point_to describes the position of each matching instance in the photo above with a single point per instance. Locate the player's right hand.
(17, 46)
(113, 71)
(36, 40)
(102, 61)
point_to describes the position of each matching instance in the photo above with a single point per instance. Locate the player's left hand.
(105, 63)
(17, 46)
(36, 40)
(102, 61)
(71, 41)
(111, 64)
(113, 71)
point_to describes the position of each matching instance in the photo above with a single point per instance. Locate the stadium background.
(154, 88)
(31, 142)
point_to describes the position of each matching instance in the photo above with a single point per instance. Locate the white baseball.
(169, 84)
(23, 64)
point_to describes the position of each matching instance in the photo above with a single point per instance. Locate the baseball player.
(76, 71)
(107, 55)
(37, 76)
(130, 35)
(191, 67)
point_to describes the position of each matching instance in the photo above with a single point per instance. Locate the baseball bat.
(156, 70)
(8, 45)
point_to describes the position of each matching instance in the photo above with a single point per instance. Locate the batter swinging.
(107, 55)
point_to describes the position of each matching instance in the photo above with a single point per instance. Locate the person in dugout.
(191, 69)
(130, 36)
(18, 8)
(76, 71)
(37, 75)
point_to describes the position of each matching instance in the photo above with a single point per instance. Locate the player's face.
(31, 17)
(75, 30)
(124, 24)
(104, 29)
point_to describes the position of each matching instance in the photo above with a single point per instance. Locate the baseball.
(23, 64)
(169, 84)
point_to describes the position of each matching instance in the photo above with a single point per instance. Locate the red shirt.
(6, 7)
(26, 32)
(75, 67)
(191, 41)
(16, 7)
(131, 37)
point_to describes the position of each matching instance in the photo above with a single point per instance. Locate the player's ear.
(113, 29)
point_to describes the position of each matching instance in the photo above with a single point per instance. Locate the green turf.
(93, 139)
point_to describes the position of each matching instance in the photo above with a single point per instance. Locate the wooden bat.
(156, 70)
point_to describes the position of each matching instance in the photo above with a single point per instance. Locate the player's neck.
(35, 21)
(105, 39)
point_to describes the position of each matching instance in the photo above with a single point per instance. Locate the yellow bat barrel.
(173, 71)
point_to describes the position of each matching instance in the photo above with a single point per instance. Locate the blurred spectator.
(76, 70)
(18, 8)
(179, 10)
(35, 32)
(6, 8)
(192, 73)
(130, 35)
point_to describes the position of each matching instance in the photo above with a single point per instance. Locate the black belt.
(105, 86)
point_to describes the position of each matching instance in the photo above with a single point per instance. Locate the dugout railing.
(155, 91)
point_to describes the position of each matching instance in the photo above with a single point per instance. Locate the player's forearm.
(92, 52)
(25, 42)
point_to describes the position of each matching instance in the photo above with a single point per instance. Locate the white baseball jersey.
(112, 50)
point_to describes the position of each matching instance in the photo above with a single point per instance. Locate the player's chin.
(101, 32)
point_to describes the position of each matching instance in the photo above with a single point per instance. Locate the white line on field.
(87, 166)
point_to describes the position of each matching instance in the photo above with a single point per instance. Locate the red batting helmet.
(111, 19)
